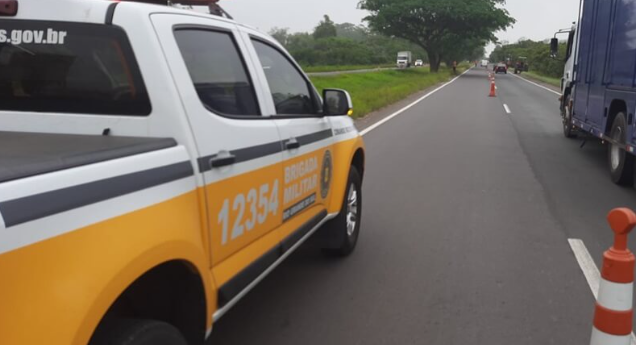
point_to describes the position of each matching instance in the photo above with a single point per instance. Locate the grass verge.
(375, 90)
(321, 69)
(548, 80)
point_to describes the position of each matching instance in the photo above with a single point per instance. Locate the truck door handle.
(222, 161)
(292, 144)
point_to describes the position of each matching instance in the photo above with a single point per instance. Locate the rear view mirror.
(337, 102)
(554, 47)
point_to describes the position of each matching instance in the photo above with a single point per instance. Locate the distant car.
(419, 63)
(484, 63)
(501, 68)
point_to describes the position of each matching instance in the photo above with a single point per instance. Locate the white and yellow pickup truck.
(155, 165)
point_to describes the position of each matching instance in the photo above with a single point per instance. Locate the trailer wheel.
(566, 113)
(621, 163)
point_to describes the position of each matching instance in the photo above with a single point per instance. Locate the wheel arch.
(616, 106)
(164, 284)
(358, 161)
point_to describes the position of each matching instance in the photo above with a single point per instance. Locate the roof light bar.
(8, 7)
(213, 5)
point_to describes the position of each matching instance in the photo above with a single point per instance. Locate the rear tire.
(621, 163)
(344, 230)
(137, 332)
(566, 113)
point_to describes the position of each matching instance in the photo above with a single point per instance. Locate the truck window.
(218, 71)
(570, 44)
(69, 68)
(291, 91)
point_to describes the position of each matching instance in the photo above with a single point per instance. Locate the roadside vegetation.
(434, 32)
(376, 90)
(447, 32)
(340, 68)
(345, 44)
(537, 55)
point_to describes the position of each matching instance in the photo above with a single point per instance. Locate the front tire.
(566, 113)
(621, 163)
(344, 230)
(137, 332)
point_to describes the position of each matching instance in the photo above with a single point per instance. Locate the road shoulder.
(542, 83)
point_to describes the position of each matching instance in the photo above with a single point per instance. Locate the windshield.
(69, 67)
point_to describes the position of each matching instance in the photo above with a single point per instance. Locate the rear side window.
(217, 71)
(69, 68)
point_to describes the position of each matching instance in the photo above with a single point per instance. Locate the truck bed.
(29, 154)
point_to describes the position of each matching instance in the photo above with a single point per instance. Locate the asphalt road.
(467, 215)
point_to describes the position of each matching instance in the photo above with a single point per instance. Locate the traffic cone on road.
(493, 89)
(613, 314)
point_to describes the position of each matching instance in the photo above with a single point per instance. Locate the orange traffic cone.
(493, 91)
(613, 314)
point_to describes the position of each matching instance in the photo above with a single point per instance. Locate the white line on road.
(385, 120)
(539, 85)
(587, 264)
(507, 109)
(590, 271)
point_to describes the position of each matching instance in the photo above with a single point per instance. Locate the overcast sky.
(536, 19)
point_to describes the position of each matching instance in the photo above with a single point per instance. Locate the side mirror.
(337, 102)
(554, 47)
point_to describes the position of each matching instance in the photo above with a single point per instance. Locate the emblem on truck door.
(325, 175)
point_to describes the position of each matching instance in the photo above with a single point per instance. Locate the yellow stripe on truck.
(60, 288)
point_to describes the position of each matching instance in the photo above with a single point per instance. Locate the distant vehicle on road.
(404, 59)
(598, 92)
(484, 63)
(501, 68)
(419, 63)
(521, 65)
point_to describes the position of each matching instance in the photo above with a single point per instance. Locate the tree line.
(449, 30)
(537, 55)
(436, 31)
(332, 44)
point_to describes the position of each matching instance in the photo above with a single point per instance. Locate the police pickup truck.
(155, 165)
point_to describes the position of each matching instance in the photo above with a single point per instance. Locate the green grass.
(320, 69)
(548, 80)
(375, 90)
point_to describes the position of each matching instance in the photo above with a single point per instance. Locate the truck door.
(307, 137)
(239, 149)
(584, 70)
(598, 62)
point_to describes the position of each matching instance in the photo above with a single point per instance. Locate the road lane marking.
(539, 85)
(507, 109)
(388, 118)
(587, 265)
(590, 271)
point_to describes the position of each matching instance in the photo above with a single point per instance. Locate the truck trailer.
(599, 81)
(404, 59)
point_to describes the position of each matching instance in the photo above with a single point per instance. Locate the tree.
(432, 24)
(351, 31)
(537, 56)
(325, 29)
(281, 35)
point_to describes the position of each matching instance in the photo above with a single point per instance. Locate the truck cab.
(568, 78)
(155, 165)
